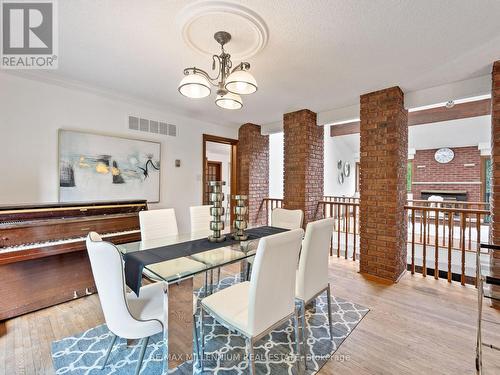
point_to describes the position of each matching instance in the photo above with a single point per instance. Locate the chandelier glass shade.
(194, 86)
(230, 82)
(229, 101)
(241, 82)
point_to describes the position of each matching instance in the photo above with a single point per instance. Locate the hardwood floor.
(418, 326)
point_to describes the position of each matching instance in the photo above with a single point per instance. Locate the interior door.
(213, 173)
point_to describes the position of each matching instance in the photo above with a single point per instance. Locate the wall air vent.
(152, 126)
(172, 130)
(133, 123)
(163, 128)
(144, 125)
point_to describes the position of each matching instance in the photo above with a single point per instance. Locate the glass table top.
(184, 267)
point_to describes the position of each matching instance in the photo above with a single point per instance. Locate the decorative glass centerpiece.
(240, 222)
(216, 211)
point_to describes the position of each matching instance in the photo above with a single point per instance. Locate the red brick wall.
(253, 170)
(303, 163)
(495, 157)
(383, 166)
(454, 171)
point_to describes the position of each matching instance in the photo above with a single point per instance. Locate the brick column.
(253, 170)
(383, 164)
(495, 178)
(303, 163)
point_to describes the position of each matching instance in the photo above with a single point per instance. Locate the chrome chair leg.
(108, 352)
(479, 341)
(251, 356)
(329, 304)
(297, 342)
(304, 333)
(206, 284)
(141, 355)
(196, 340)
(202, 331)
(212, 281)
(218, 277)
(249, 268)
(164, 367)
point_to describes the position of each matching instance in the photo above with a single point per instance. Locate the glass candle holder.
(216, 197)
(240, 222)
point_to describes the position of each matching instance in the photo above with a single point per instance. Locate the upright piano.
(43, 258)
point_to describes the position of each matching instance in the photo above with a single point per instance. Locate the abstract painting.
(95, 167)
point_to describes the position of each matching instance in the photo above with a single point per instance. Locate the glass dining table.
(175, 270)
(178, 274)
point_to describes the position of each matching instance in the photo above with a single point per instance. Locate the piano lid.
(23, 206)
(40, 211)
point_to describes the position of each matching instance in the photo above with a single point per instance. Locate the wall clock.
(444, 155)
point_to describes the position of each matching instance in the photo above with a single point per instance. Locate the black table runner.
(136, 261)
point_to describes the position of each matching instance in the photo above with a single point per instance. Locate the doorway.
(219, 164)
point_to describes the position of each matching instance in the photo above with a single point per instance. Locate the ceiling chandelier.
(230, 82)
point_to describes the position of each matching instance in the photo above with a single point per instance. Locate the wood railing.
(450, 204)
(443, 237)
(334, 198)
(419, 202)
(345, 227)
(269, 204)
(454, 234)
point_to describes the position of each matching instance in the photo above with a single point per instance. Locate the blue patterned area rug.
(225, 352)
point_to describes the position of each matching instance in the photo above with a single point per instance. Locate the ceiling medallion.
(200, 19)
(230, 82)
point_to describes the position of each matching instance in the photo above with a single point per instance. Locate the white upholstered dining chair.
(254, 308)
(287, 219)
(126, 315)
(156, 224)
(312, 275)
(200, 218)
(281, 218)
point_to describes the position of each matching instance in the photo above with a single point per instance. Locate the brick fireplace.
(459, 179)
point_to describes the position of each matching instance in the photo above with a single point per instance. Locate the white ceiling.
(319, 55)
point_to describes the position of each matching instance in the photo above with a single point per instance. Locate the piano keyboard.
(61, 242)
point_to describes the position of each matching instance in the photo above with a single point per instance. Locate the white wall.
(454, 133)
(31, 112)
(336, 148)
(342, 148)
(276, 165)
